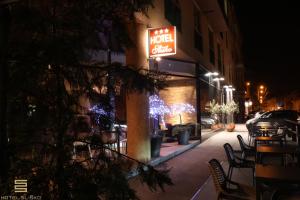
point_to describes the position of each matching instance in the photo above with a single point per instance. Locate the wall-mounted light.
(208, 74)
(157, 59)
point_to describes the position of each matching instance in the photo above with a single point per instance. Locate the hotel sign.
(162, 41)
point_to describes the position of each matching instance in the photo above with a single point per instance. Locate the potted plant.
(215, 110)
(180, 108)
(156, 141)
(229, 109)
(157, 111)
(181, 131)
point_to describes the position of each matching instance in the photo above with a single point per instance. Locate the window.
(226, 36)
(198, 39)
(223, 65)
(173, 13)
(211, 46)
(220, 62)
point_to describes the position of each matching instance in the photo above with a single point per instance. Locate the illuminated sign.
(162, 41)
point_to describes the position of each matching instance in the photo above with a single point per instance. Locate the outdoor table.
(274, 174)
(277, 150)
(266, 139)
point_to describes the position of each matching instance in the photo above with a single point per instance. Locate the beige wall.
(182, 91)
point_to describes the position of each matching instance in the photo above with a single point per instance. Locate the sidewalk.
(189, 171)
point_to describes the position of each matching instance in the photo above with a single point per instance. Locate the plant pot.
(214, 127)
(155, 146)
(183, 137)
(230, 127)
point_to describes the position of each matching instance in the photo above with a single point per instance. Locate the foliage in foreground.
(50, 70)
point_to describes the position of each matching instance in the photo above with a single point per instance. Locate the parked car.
(254, 114)
(207, 122)
(274, 119)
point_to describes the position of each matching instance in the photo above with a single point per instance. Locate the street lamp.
(209, 74)
(229, 89)
(217, 80)
(248, 105)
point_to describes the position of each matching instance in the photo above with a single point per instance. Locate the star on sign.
(166, 30)
(156, 32)
(161, 31)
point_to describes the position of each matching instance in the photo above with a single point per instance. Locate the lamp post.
(248, 107)
(218, 80)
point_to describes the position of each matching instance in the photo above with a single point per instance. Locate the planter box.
(155, 146)
(183, 137)
(230, 127)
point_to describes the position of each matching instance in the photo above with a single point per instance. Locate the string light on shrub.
(157, 107)
(99, 112)
(179, 108)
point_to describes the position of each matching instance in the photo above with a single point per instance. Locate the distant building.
(290, 102)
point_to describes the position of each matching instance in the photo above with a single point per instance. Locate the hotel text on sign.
(162, 41)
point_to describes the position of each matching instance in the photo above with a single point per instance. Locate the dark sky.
(271, 34)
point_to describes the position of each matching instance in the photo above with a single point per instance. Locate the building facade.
(208, 51)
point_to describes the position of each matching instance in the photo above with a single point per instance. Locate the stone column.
(137, 105)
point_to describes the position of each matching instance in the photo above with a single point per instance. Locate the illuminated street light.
(248, 83)
(219, 79)
(261, 87)
(211, 74)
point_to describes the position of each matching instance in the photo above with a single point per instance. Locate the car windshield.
(266, 115)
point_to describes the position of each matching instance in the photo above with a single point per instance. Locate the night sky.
(271, 35)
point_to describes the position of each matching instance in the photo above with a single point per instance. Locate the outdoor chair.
(247, 150)
(236, 162)
(221, 182)
(252, 133)
(281, 133)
